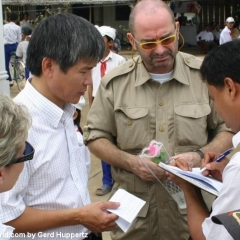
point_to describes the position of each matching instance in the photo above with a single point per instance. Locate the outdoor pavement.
(95, 178)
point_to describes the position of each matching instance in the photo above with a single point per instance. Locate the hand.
(214, 169)
(180, 182)
(96, 218)
(140, 169)
(186, 161)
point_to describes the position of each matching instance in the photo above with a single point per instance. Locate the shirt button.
(129, 122)
(161, 128)
(163, 206)
(161, 103)
(85, 134)
(187, 60)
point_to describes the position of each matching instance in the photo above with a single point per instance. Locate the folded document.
(208, 184)
(128, 210)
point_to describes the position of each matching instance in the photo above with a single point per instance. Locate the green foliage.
(123, 32)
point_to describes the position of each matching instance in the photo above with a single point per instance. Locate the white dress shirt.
(24, 23)
(87, 155)
(22, 50)
(207, 36)
(112, 60)
(57, 176)
(225, 35)
(11, 33)
(228, 199)
(6, 232)
(216, 33)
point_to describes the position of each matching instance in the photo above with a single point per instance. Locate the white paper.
(128, 210)
(196, 178)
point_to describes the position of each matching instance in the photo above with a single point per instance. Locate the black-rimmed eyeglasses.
(27, 155)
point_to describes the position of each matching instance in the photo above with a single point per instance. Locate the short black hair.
(26, 30)
(65, 38)
(108, 38)
(222, 62)
(13, 16)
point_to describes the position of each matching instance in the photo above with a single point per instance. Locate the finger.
(183, 165)
(110, 205)
(209, 157)
(172, 162)
(216, 166)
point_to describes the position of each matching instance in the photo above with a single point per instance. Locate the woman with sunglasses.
(14, 150)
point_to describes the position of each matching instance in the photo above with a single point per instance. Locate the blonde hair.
(14, 124)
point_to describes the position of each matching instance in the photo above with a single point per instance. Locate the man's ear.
(1, 176)
(131, 40)
(48, 66)
(232, 88)
(177, 29)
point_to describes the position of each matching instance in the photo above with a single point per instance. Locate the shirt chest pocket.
(132, 127)
(191, 124)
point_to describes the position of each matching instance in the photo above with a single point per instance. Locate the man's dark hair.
(66, 39)
(108, 38)
(220, 63)
(13, 16)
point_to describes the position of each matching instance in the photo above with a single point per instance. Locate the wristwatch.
(199, 152)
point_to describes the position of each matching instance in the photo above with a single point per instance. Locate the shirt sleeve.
(12, 203)
(228, 200)
(19, 35)
(96, 128)
(19, 51)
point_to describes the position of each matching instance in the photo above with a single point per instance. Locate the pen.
(219, 158)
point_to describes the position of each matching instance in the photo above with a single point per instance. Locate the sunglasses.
(27, 155)
(152, 45)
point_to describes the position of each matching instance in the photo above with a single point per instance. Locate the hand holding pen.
(219, 158)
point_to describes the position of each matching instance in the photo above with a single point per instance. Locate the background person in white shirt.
(77, 121)
(109, 61)
(21, 51)
(14, 124)
(225, 35)
(11, 38)
(51, 195)
(216, 33)
(25, 21)
(206, 39)
(223, 82)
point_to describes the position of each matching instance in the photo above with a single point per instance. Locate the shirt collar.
(236, 139)
(178, 73)
(108, 56)
(54, 113)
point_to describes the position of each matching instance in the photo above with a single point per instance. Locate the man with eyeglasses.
(50, 199)
(160, 96)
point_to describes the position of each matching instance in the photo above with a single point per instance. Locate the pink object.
(154, 150)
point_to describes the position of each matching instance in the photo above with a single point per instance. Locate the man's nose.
(88, 78)
(160, 48)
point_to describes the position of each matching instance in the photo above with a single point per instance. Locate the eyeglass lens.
(164, 42)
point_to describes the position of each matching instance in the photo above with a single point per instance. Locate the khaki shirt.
(130, 110)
